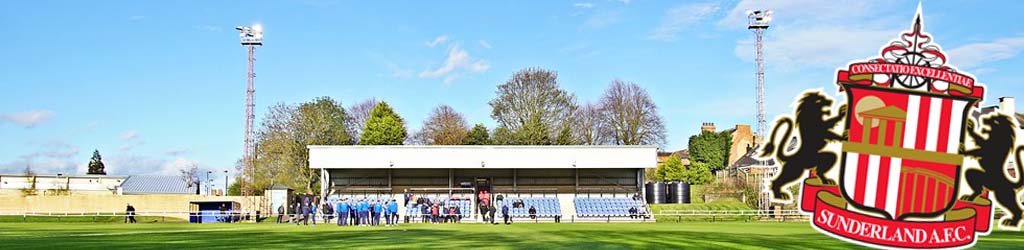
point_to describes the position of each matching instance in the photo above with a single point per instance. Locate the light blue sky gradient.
(158, 85)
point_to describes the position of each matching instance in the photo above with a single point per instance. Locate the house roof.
(279, 186)
(155, 184)
(749, 159)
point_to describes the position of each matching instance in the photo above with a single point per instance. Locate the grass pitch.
(703, 235)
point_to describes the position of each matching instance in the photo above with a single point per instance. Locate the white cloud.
(437, 41)
(679, 18)
(27, 119)
(177, 151)
(584, 5)
(977, 54)
(485, 44)
(130, 139)
(143, 165)
(50, 158)
(458, 63)
(129, 135)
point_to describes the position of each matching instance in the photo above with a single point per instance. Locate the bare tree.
(445, 126)
(358, 113)
(532, 95)
(590, 127)
(190, 175)
(631, 115)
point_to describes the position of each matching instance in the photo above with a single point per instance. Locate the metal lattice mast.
(758, 23)
(251, 37)
(250, 116)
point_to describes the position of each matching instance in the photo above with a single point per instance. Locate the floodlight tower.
(758, 22)
(251, 37)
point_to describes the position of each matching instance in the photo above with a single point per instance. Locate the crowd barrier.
(663, 216)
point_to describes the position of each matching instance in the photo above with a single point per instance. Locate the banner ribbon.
(960, 227)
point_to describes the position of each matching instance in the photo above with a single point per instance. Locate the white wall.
(482, 157)
(73, 183)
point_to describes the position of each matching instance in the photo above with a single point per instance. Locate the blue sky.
(159, 85)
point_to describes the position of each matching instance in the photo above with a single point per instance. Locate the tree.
(359, 112)
(31, 175)
(631, 115)
(711, 148)
(285, 132)
(502, 136)
(190, 175)
(671, 170)
(534, 132)
(477, 136)
(590, 127)
(698, 173)
(384, 127)
(445, 126)
(565, 137)
(235, 189)
(531, 97)
(96, 164)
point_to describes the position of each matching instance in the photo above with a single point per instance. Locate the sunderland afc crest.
(903, 163)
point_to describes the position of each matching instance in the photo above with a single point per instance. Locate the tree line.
(530, 108)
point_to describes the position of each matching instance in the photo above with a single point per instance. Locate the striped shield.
(902, 157)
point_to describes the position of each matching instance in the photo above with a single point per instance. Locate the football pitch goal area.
(662, 235)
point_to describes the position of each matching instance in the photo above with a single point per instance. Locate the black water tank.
(682, 192)
(655, 192)
(678, 192)
(673, 192)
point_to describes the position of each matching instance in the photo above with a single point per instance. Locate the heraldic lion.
(992, 153)
(815, 131)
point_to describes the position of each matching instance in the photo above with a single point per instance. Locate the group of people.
(366, 213)
(353, 212)
(439, 213)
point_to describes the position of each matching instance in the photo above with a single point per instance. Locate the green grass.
(89, 219)
(720, 204)
(722, 235)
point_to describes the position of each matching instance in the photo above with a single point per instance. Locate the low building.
(554, 177)
(61, 184)
(157, 184)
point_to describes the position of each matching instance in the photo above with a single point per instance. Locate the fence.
(663, 216)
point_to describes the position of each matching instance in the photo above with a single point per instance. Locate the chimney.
(1007, 106)
(708, 126)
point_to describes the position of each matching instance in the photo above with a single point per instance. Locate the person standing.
(280, 214)
(305, 210)
(328, 212)
(504, 214)
(364, 213)
(342, 210)
(434, 211)
(313, 210)
(378, 208)
(424, 213)
(490, 213)
(393, 208)
(353, 216)
(129, 212)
